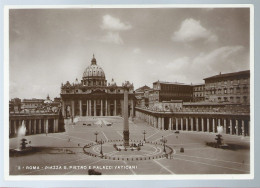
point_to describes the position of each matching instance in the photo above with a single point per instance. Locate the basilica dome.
(94, 75)
(93, 70)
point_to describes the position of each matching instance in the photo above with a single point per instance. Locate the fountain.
(21, 148)
(219, 140)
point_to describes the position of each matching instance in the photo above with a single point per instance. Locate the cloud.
(137, 50)
(114, 24)
(191, 30)
(194, 69)
(112, 37)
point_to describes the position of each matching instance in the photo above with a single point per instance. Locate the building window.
(231, 99)
(219, 99)
(245, 99)
(238, 99)
(238, 89)
(225, 90)
(225, 99)
(231, 81)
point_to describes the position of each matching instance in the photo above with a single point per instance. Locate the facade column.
(72, 108)
(44, 125)
(47, 126)
(106, 108)
(197, 124)
(10, 129)
(87, 110)
(176, 122)
(219, 122)
(63, 108)
(115, 107)
(30, 127)
(57, 125)
(34, 128)
(202, 124)
(40, 126)
(187, 123)
(230, 126)
(208, 125)
(243, 128)
(170, 124)
(213, 125)
(101, 113)
(191, 123)
(225, 126)
(95, 108)
(80, 107)
(237, 128)
(90, 110)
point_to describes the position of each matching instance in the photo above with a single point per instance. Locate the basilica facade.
(94, 96)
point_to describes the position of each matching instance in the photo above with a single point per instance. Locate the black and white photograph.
(153, 91)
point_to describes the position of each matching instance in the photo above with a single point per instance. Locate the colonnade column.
(40, 126)
(208, 125)
(243, 128)
(34, 126)
(237, 128)
(182, 124)
(176, 122)
(230, 126)
(72, 108)
(197, 124)
(187, 124)
(132, 108)
(159, 123)
(170, 124)
(213, 125)
(225, 126)
(101, 112)
(202, 124)
(30, 127)
(80, 107)
(95, 108)
(156, 122)
(115, 107)
(191, 123)
(57, 125)
(162, 123)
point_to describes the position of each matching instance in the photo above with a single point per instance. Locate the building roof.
(232, 74)
(172, 83)
(143, 88)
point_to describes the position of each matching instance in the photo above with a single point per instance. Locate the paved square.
(62, 153)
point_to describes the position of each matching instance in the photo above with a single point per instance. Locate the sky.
(48, 47)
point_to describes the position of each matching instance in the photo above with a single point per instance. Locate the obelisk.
(126, 125)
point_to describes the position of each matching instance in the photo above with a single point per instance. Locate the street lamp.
(163, 140)
(96, 133)
(101, 152)
(144, 134)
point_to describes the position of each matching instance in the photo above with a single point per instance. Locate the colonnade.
(95, 107)
(234, 125)
(34, 125)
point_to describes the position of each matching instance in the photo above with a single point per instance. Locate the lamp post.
(144, 134)
(163, 140)
(101, 151)
(96, 133)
